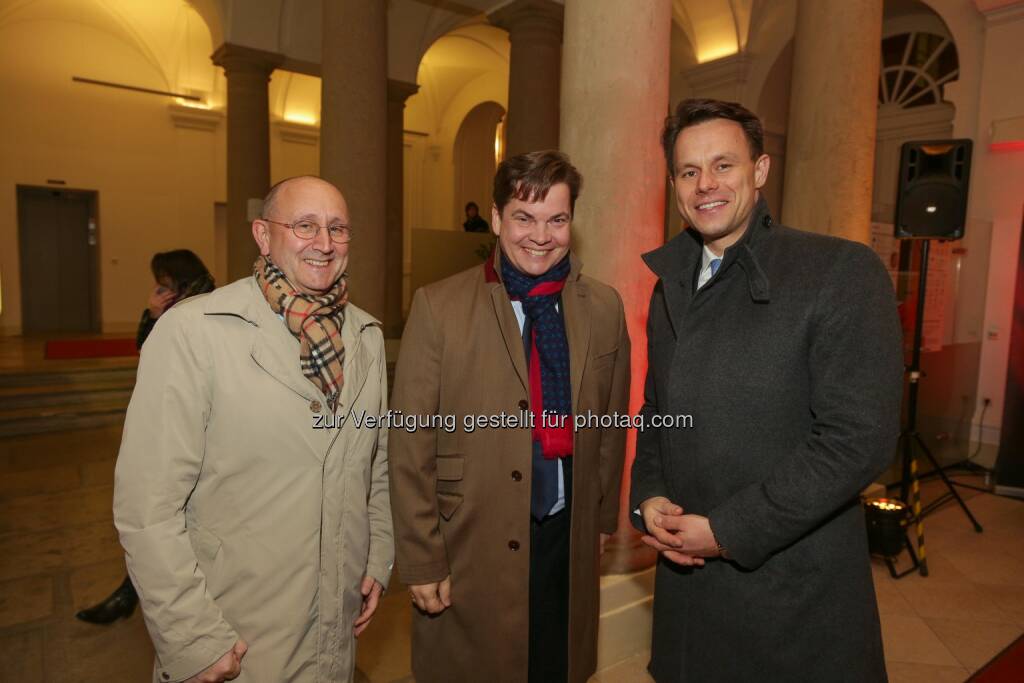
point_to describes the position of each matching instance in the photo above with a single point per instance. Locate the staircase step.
(29, 397)
(76, 377)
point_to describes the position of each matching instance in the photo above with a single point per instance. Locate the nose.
(540, 233)
(706, 182)
(322, 240)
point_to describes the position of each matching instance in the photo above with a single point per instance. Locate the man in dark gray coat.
(785, 348)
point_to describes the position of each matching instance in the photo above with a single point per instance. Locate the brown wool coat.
(461, 500)
(238, 518)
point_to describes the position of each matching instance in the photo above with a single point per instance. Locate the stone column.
(615, 75)
(535, 31)
(248, 72)
(353, 137)
(833, 108)
(398, 93)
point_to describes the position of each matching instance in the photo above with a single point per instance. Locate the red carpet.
(89, 348)
(1005, 667)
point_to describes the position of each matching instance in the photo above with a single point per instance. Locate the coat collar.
(276, 350)
(575, 310)
(675, 262)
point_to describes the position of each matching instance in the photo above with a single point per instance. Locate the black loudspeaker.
(931, 199)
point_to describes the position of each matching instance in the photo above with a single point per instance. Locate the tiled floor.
(59, 553)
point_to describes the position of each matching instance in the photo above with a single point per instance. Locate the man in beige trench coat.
(256, 521)
(498, 528)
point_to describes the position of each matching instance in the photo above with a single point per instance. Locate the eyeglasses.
(307, 230)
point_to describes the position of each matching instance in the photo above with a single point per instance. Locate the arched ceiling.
(454, 64)
(715, 28)
(169, 34)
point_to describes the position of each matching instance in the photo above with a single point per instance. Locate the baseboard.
(1012, 491)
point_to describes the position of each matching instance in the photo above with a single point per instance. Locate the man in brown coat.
(486, 506)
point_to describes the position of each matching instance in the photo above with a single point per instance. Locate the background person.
(179, 274)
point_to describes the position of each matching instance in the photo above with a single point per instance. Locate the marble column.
(535, 31)
(248, 174)
(398, 93)
(833, 109)
(353, 137)
(615, 76)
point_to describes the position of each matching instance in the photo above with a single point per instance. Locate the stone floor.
(59, 553)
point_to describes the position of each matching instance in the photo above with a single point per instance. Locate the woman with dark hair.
(179, 274)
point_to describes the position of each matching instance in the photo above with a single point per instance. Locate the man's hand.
(661, 518)
(371, 591)
(226, 668)
(433, 598)
(159, 300)
(694, 532)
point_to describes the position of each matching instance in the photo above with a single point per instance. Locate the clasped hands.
(684, 539)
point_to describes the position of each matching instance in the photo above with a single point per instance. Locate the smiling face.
(535, 235)
(312, 265)
(716, 182)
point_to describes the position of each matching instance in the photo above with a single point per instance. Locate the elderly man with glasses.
(260, 543)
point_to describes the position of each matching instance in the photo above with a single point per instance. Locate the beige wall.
(158, 167)
(156, 182)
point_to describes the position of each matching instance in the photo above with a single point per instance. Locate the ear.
(495, 220)
(761, 167)
(261, 233)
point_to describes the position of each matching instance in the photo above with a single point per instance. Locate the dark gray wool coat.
(790, 362)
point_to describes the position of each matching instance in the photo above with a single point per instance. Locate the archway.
(478, 146)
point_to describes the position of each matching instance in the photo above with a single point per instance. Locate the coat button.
(315, 406)
(767, 220)
(517, 475)
(165, 676)
(513, 545)
(523, 405)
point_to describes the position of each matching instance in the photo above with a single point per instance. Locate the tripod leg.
(918, 520)
(948, 483)
(906, 455)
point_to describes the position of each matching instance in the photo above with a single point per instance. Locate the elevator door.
(57, 238)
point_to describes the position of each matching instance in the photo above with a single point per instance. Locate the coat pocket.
(449, 484)
(205, 544)
(602, 360)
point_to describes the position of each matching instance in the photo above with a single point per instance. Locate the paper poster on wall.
(935, 297)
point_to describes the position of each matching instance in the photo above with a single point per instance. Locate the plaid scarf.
(315, 320)
(550, 384)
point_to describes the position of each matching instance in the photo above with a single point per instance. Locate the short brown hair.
(693, 111)
(528, 177)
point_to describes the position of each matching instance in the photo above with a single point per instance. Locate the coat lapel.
(506, 319)
(576, 300)
(276, 351)
(357, 361)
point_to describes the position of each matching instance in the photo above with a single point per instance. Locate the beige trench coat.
(238, 518)
(461, 499)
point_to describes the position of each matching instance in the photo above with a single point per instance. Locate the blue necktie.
(715, 263)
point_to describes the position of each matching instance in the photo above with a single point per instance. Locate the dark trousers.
(549, 598)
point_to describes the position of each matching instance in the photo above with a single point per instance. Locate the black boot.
(120, 604)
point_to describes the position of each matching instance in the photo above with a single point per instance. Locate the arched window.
(915, 66)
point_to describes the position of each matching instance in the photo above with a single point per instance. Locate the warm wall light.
(499, 142)
(303, 118)
(192, 103)
(717, 51)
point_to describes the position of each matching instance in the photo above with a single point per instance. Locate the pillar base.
(625, 628)
(625, 553)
